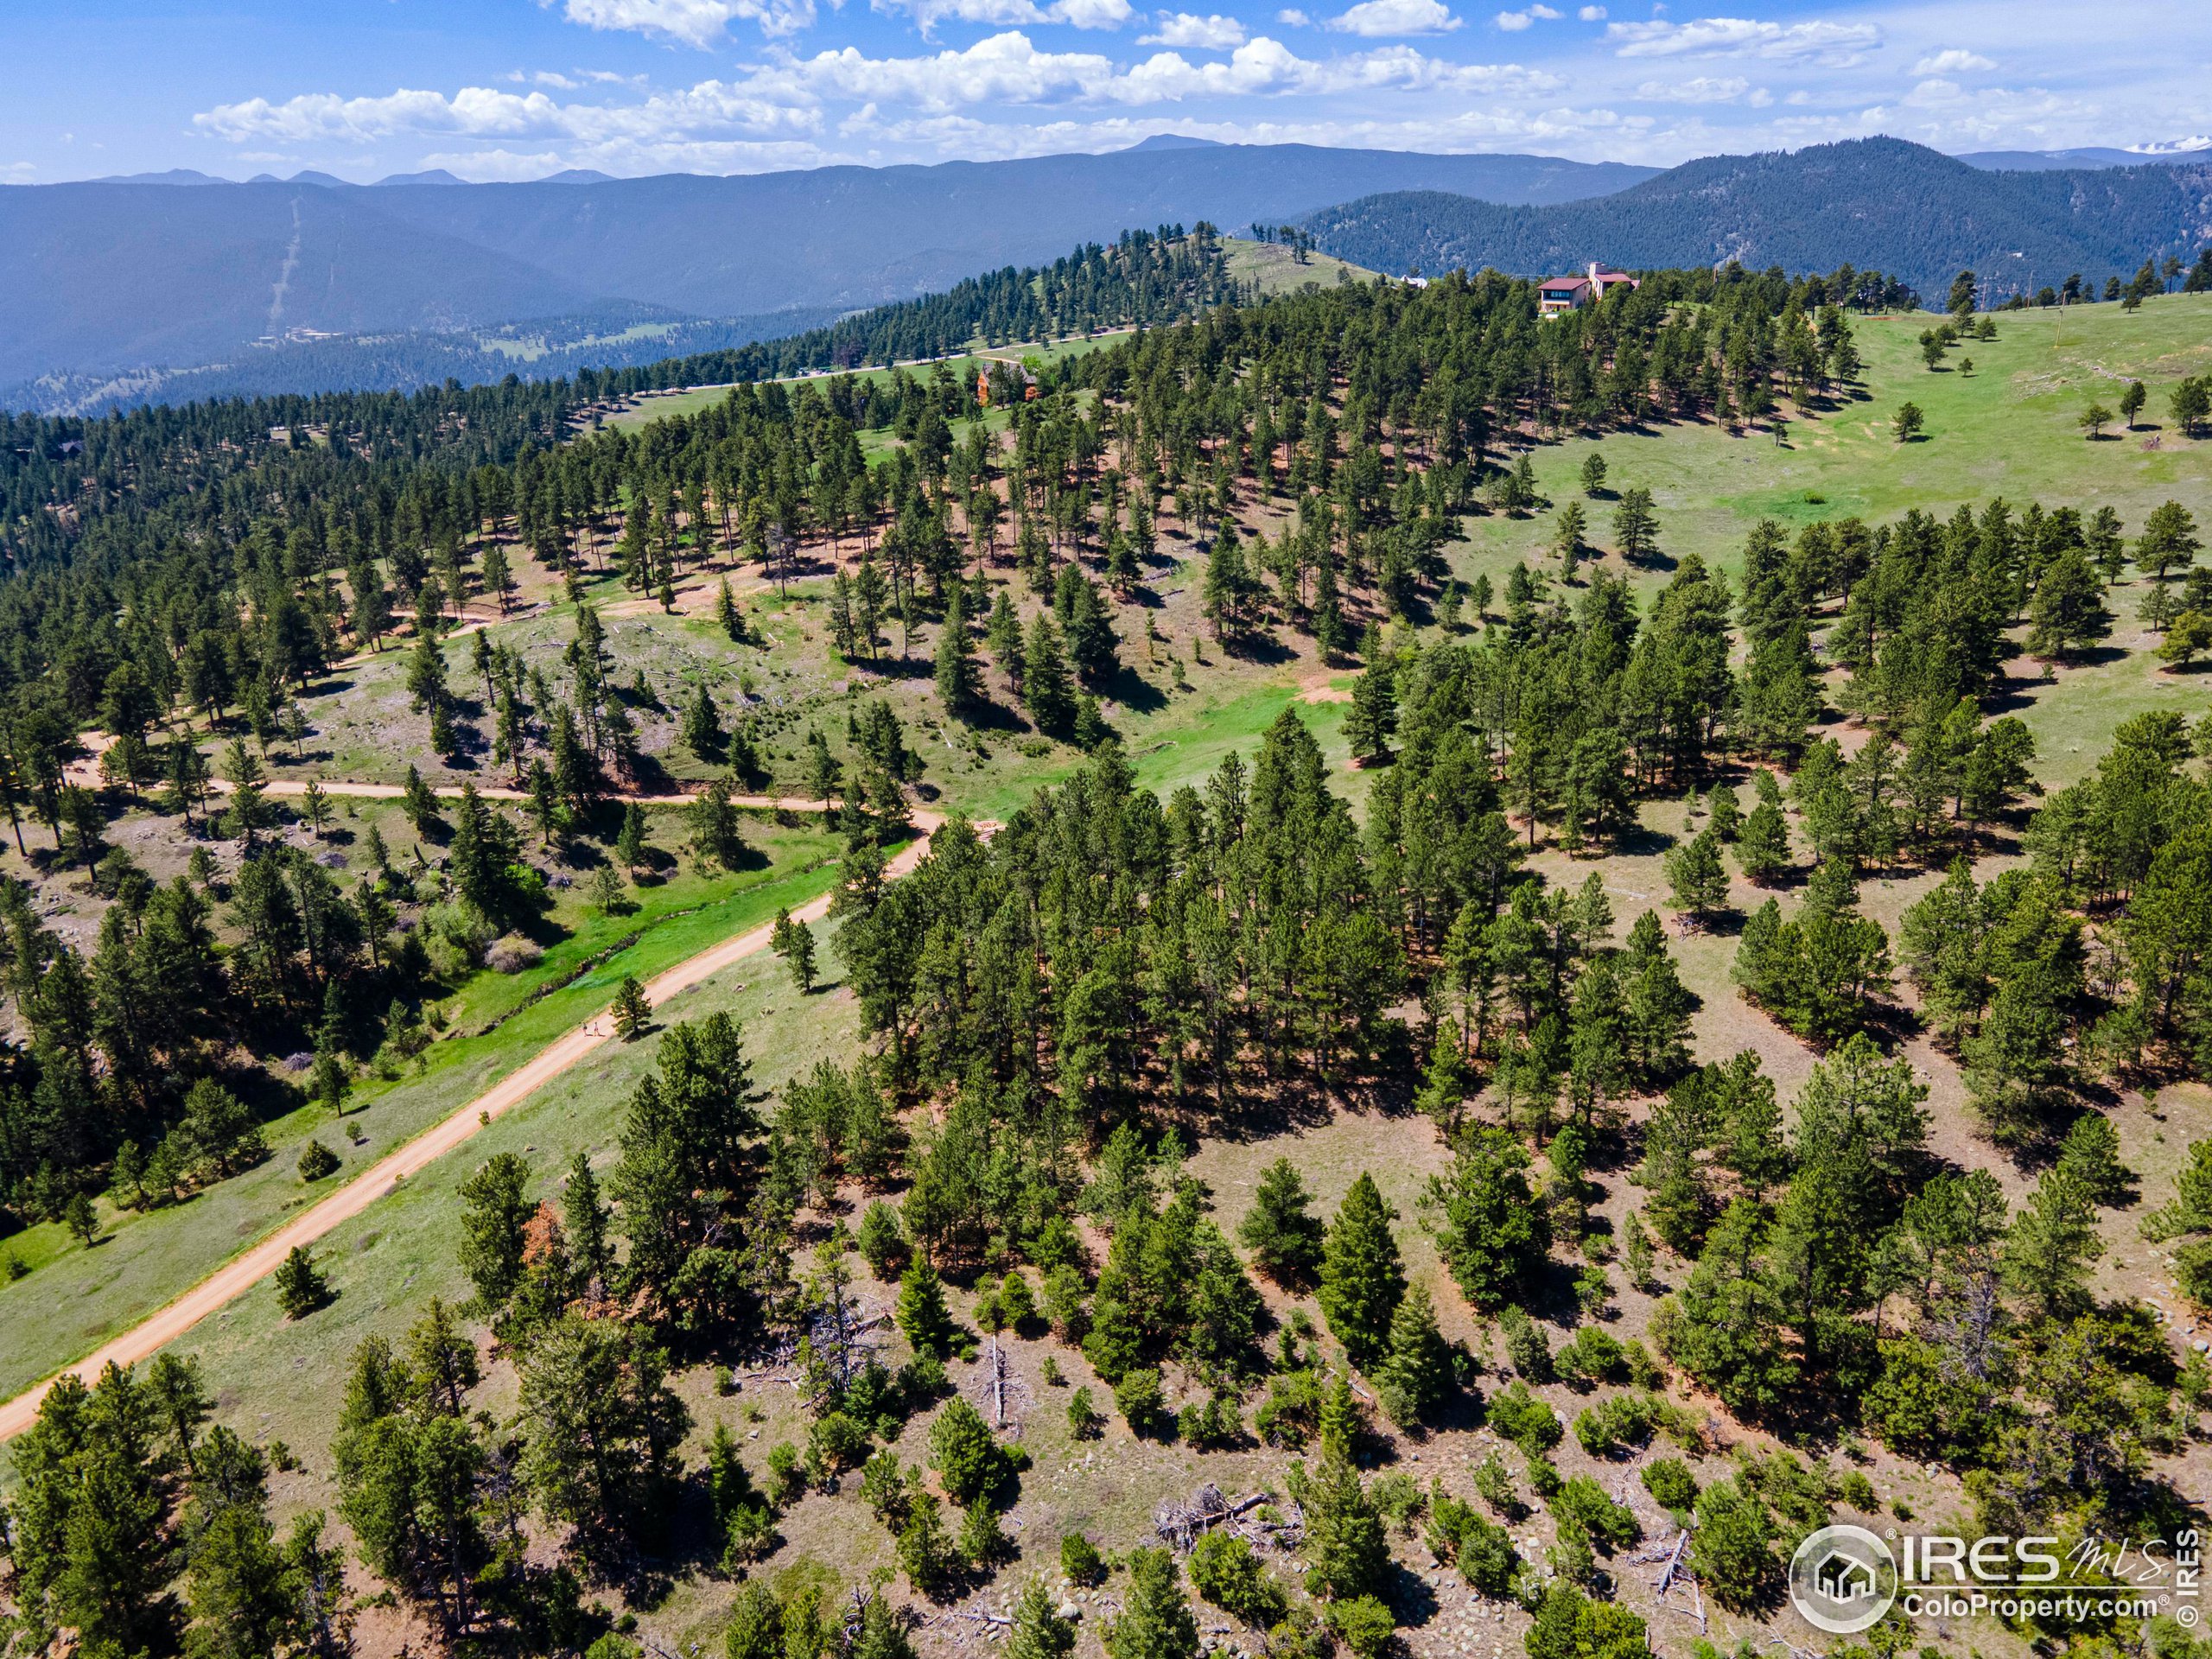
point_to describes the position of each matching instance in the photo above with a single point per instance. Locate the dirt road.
(147, 1338)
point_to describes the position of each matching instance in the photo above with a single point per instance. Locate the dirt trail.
(148, 1338)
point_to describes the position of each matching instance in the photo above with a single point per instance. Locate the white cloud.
(694, 22)
(482, 113)
(1078, 14)
(1592, 13)
(1380, 19)
(1704, 89)
(1293, 17)
(1515, 21)
(1211, 34)
(1953, 62)
(1829, 44)
(1009, 68)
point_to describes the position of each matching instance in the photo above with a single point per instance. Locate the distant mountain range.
(114, 278)
(1876, 203)
(2189, 152)
(175, 285)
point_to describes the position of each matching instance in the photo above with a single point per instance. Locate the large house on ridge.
(1556, 295)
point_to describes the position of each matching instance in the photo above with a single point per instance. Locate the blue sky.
(504, 89)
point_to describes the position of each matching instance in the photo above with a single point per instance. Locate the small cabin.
(1556, 295)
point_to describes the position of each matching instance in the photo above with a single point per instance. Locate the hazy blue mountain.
(1876, 203)
(174, 176)
(109, 278)
(2053, 160)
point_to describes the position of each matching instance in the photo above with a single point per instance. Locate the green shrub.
(1142, 1400)
(1364, 1624)
(1670, 1483)
(969, 1462)
(1482, 1550)
(837, 1442)
(1617, 1421)
(1525, 1346)
(1209, 1425)
(1731, 1547)
(1291, 1414)
(1397, 1498)
(316, 1160)
(1494, 1485)
(1226, 1570)
(1584, 1502)
(882, 1241)
(300, 1288)
(1083, 1420)
(786, 1472)
(1080, 1560)
(1526, 1420)
(1593, 1357)
(883, 1489)
(1017, 1302)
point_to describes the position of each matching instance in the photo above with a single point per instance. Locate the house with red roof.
(1556, 295)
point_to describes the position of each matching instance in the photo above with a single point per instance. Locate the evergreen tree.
(1763, 850)
(922, 1316)
(1725, 1328)
(957, 681)
(1284, 1237)
(1697, 876)
(1156, 1621)
(300, 1288)
(632, 1014)
(494, 1214)
(1492, 1234)
(1039, 1631)
(1635, 526)
(2054, 1243)
(703, 726)
(1346, 1550)
(1046, 691)
(1361, 1278)
(1374, 712)
(1416, 1379)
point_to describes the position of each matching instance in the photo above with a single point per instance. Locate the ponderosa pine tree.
(1699, 881)
(1493, 1236)
(494, 1211)
(1156, 1621)
(1417, 1376)
(1363, 1280)
(1279, 1229)
(1346, 1550)
(922, 1315)
(957, 681)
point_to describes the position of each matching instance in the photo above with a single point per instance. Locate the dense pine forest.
(1814, 1278)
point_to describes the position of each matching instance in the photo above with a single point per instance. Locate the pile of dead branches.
(1179, 1525)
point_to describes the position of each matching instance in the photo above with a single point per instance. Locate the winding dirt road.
(240, 1275)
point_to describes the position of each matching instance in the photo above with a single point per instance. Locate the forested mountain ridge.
(110, 277)
(1876, 202)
